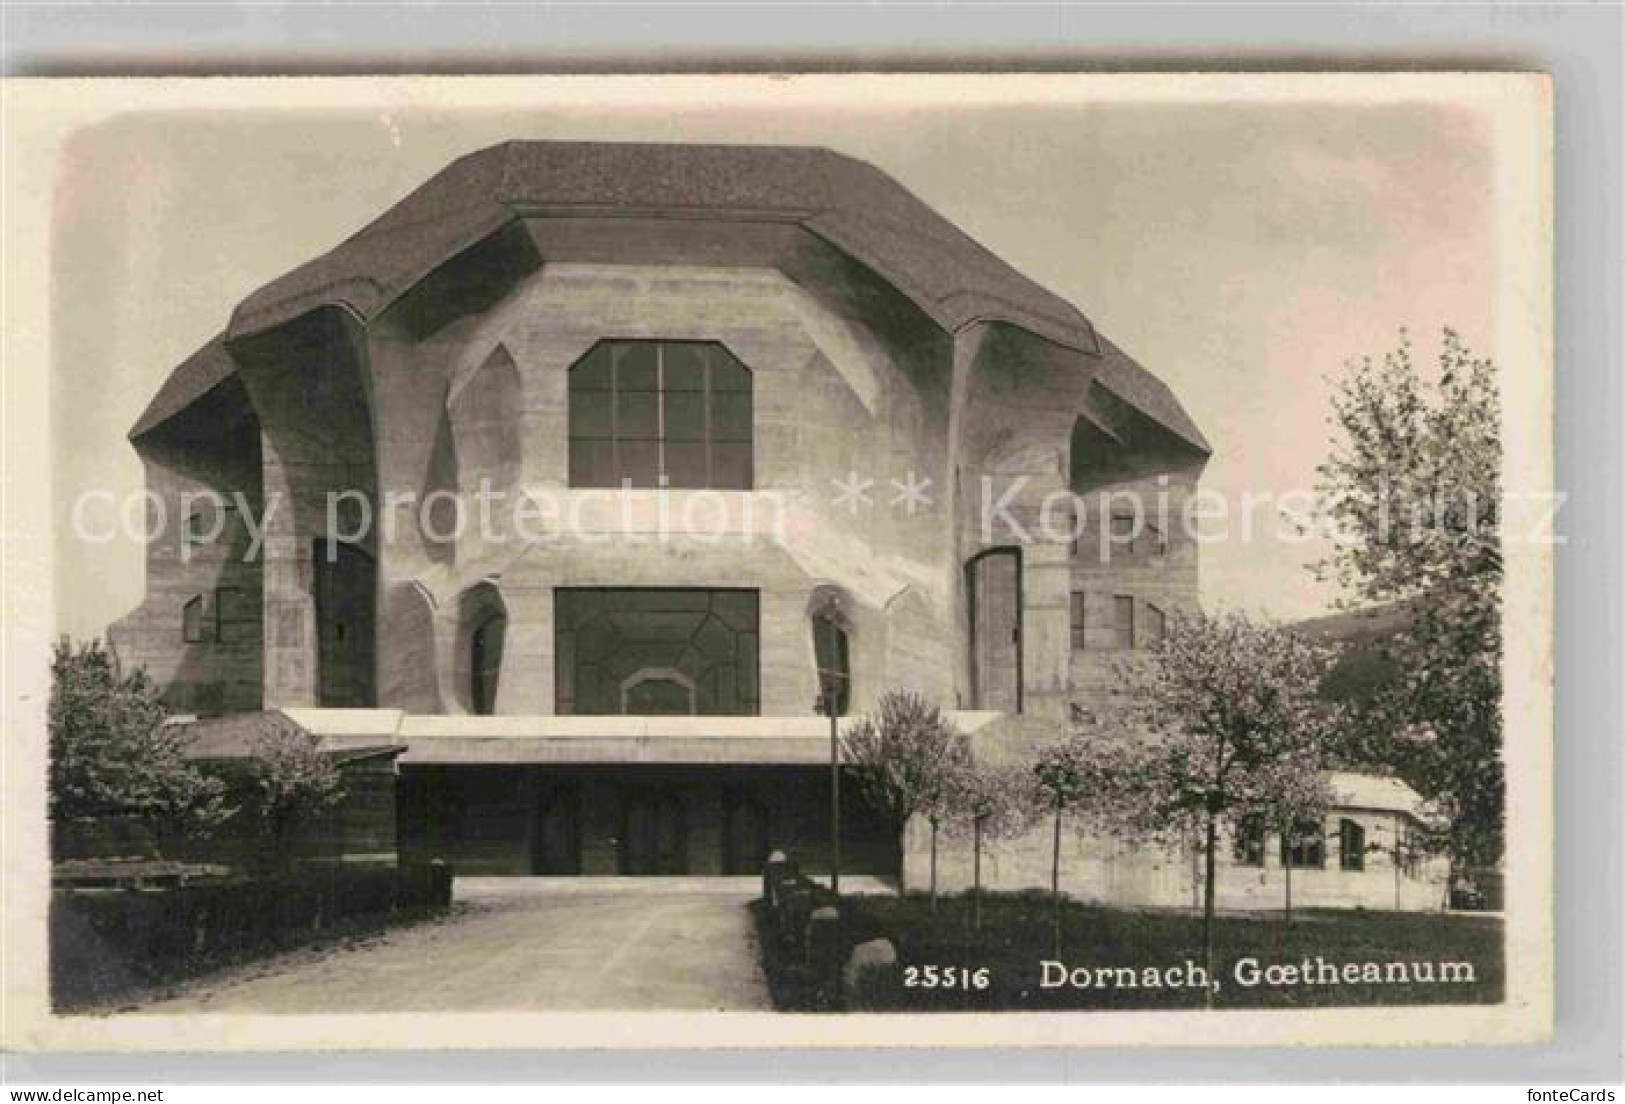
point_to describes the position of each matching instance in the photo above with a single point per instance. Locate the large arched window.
(661, 413)
(485, 664)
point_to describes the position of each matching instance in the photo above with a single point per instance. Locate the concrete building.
(739, 414)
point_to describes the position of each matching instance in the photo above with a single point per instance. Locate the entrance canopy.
(451, 740)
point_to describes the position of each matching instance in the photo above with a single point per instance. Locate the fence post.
(773, 876)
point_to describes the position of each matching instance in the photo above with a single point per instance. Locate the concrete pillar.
(290, 605)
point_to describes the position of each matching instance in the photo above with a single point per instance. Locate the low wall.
(1107, 872)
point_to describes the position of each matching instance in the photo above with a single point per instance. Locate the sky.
(1241, 250)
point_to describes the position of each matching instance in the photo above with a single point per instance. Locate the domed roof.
(852, 206)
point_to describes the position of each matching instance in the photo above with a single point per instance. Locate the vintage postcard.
(815, 560)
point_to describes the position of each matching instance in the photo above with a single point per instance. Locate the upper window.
(661, 414)
(1123, 621)
(1121, 538)
(1156, 624)
(1351, 844)
(1079, 637)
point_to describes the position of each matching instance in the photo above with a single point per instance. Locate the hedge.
(105, 942)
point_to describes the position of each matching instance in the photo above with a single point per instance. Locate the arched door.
(345, 578)
(993, 594)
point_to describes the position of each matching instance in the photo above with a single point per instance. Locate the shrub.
(104, 942)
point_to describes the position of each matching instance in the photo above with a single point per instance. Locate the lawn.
(1017, 935)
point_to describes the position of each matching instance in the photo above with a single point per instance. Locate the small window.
(1079, 637)
(196, 527)
(1123, 621)
(1249, 841)
(1156, 624)
(1351, 844)
(1156, 542)
(832, 651)
(1304, 846)
(1126, 536)
(198, 622)
(211, 525)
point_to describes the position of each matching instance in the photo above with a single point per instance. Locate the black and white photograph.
(844, 557)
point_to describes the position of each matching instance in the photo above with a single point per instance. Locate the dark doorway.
(557, 846)
(993, 593)
(654, 834)
(344, 591)
(745, 844)
(485, 664)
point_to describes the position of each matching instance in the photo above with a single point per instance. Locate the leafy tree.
(1298, 796)
(1413, 489)
(992, 801)
(904, 757)
(295, 781)
(113, 754)
(1221, 721)
(1063, 773)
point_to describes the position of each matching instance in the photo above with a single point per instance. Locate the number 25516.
(946, 977)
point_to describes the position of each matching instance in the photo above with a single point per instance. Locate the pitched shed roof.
(1359, 626)
(231, 737)
(1374, 791)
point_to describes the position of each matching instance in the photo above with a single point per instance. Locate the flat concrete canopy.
(524, 945)
(436, 739)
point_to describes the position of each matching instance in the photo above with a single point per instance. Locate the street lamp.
(827, 704)
(832, 677)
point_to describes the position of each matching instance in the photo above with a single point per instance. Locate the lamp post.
(834, 672)
(829, 704)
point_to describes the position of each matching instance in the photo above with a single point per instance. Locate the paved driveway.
(530, 944)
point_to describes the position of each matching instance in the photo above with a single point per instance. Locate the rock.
(823, 942)
(876, 954)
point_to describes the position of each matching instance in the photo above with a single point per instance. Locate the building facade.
(573, 470)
